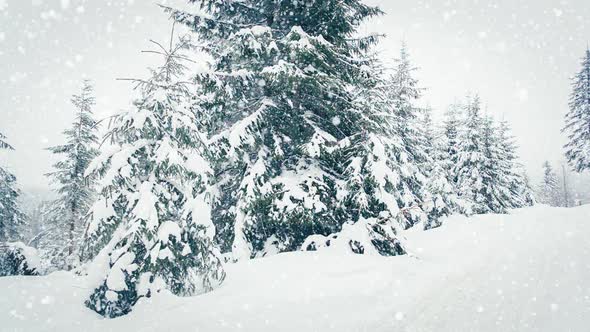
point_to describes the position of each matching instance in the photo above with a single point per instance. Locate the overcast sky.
(517, 54)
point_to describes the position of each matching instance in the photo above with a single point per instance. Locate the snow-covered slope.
(528, 271)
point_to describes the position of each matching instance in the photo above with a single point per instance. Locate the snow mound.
(527, 271)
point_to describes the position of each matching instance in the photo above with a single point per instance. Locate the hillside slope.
(528, 271)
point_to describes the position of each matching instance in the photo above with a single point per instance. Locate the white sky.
(517, 54)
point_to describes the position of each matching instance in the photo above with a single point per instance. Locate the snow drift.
(527, 271)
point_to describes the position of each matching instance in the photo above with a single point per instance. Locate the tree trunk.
(71, 240)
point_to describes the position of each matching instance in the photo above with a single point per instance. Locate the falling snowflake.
(336, 121)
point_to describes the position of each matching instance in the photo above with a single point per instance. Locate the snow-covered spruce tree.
(371, 175)
(76, 192)
(386, 164)
(154, 201)
(486, 170)
(441, 198)
(409, 153)
(494, 172)
(12, 218)
(281, 94)
(521, 194)
(470, 158)
(577, 121)
(404, 93)
(15, 257)
(550, 192)
(453, 128)
(530, 195)
(502, 185)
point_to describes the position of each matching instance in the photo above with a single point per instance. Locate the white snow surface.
(528, 271)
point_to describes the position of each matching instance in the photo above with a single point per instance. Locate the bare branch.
(160, 45)
(172, 34)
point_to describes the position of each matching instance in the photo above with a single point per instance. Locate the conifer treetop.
(335, 20)
(577, 121)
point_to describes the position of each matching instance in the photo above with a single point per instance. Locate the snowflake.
(65, 4)
(336, 121)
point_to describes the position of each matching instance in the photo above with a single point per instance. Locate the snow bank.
(528, 271)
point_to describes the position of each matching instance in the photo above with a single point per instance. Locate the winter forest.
(294, 165)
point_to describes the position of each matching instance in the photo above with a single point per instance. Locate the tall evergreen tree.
(404, 93)
(410, 152)
(75, 191)
(469, 162)
(452, 127)
(577, 121)
(550, 190)
(386, 164)
(154, 202)
(371, 172)
(12, 218)
(486, 169)
(440, 193)
(281, 101)
(495, 172)
(520, 192)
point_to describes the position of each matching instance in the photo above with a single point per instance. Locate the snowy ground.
(529, 271)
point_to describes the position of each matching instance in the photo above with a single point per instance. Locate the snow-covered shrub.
(17, 259)
(366, 236)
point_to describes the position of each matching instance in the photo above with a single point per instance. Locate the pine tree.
(520, 192)
(577, 121)
(530, 195)
(386, 164)
(371, 174)
(154, 202)
(487, 172)
(470, 158)
(448, 155)
(404, 93)
(494, 172)
(550, 189)
(452, 126)
(281, 101)
(75, 190)
(12, 218)
(409, 152)
(498, 185)
(440, 193)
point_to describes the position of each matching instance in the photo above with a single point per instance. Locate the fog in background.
(518, 55)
